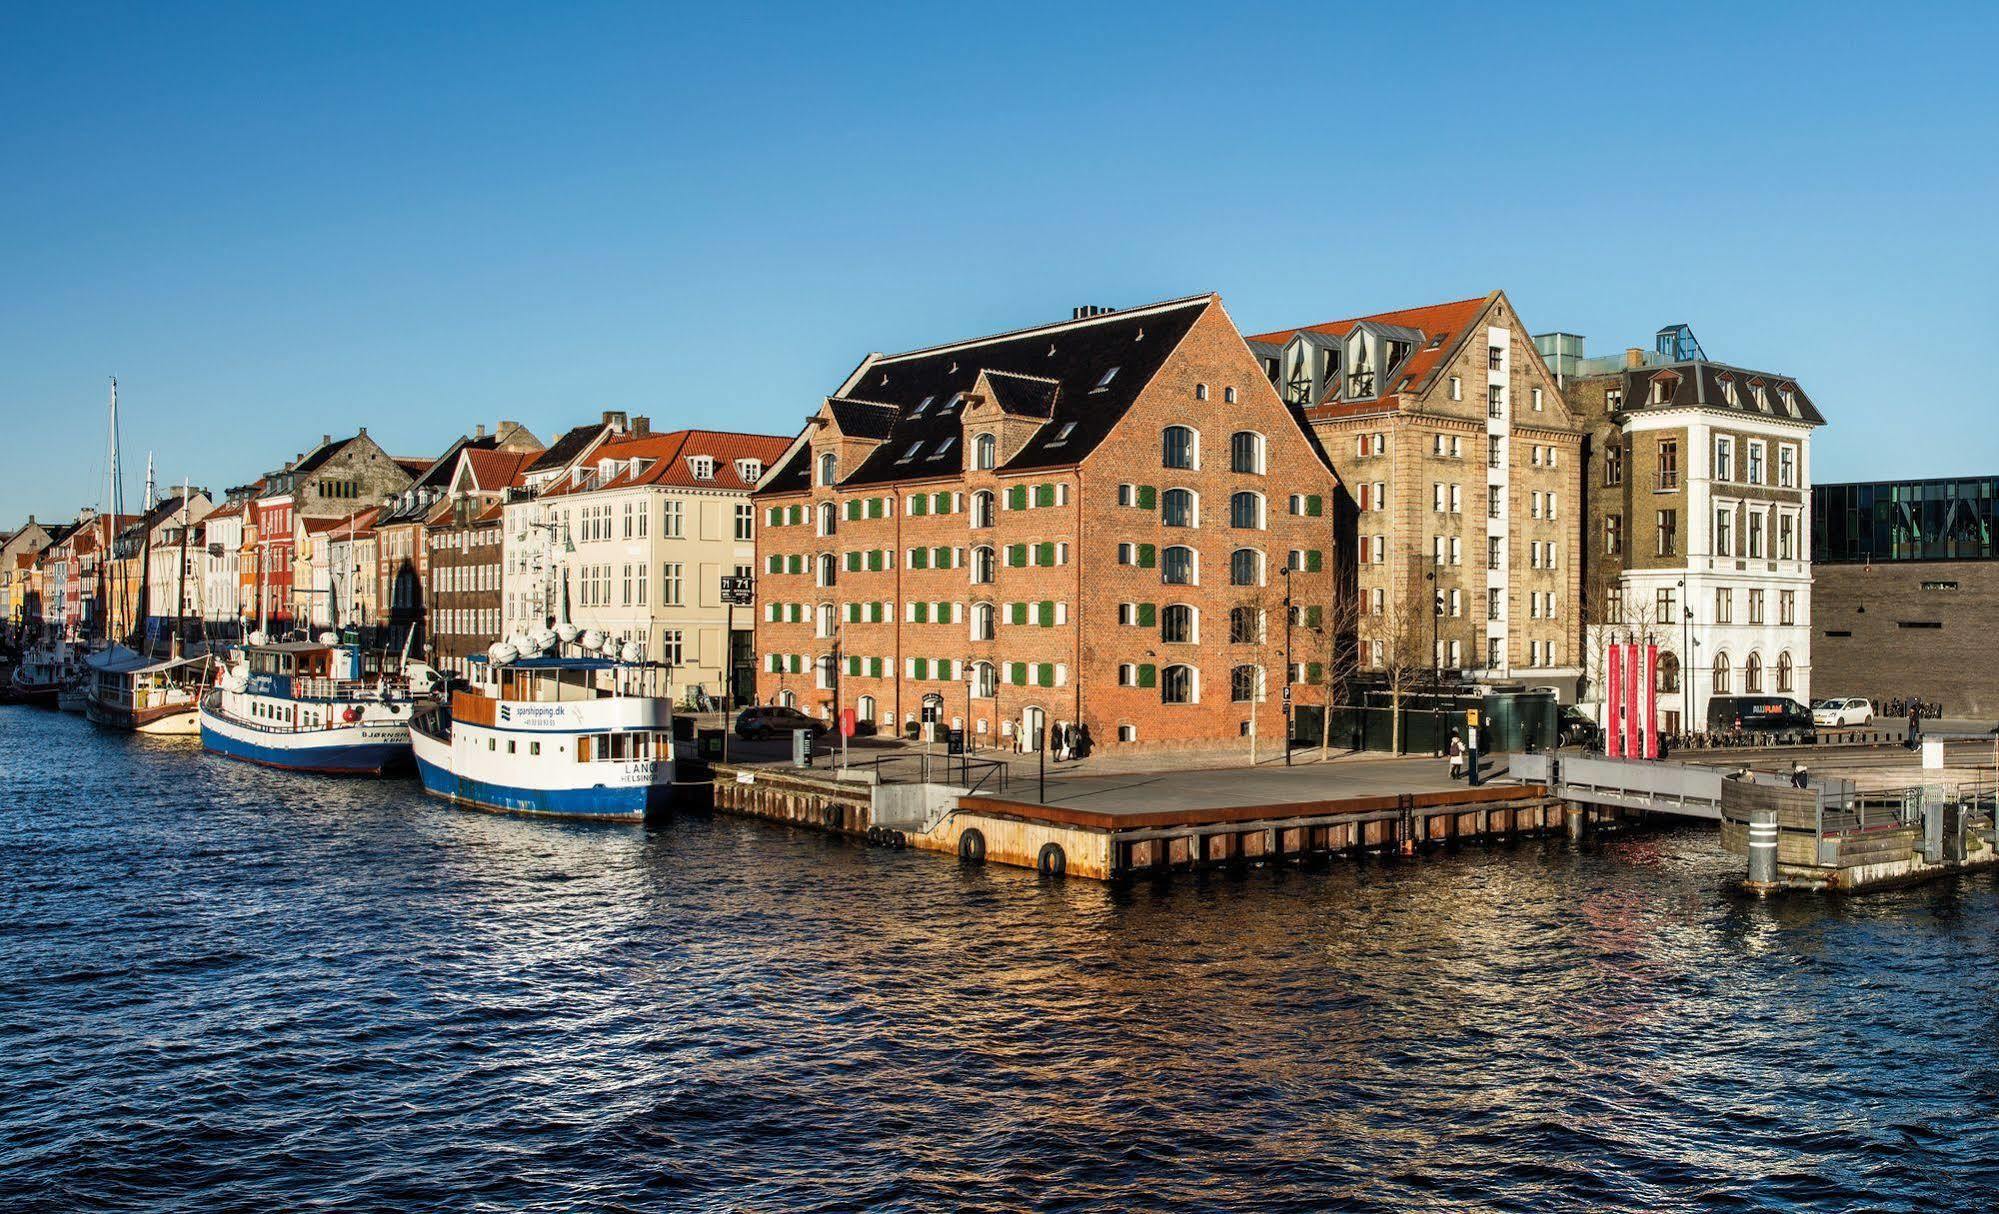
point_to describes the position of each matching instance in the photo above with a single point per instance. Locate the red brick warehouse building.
(1088, 522)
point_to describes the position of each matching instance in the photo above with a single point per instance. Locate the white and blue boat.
(585, 736)
(314, 707)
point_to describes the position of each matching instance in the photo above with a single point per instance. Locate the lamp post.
(1436, 611)
(1686, 659)
(1287, 664)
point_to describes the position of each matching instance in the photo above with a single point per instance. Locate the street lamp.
(1436, 613)
(1287, 664)
(1686, 659)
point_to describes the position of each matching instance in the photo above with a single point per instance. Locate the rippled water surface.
(222, 987)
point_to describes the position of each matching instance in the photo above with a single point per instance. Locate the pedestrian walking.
(1915, 738)
(1798, 777)
(1457, 749)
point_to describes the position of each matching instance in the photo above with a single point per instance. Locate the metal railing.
(925, 768)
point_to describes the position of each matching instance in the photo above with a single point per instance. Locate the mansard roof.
(1700, 384)
(1081, 374)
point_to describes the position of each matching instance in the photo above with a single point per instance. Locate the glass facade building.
(1945, 519)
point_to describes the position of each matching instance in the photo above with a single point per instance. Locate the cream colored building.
(635, 542)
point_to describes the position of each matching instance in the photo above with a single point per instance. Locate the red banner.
(1613, 701)
(1634, 740)
(1650, 693)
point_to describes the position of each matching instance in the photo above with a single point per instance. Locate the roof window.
(1105, 382)
(944, 448)
(922, 405)
(702, 466)
(1062, 435)
(749, 469)
(911, 453)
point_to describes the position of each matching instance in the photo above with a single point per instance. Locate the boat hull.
(598, 802)
(178, 720)
(360, 751)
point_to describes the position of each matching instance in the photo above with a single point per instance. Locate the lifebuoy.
(351, 715)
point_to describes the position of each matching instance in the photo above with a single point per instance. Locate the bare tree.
(1397, 640)
(1338, 644)
(1257, 623)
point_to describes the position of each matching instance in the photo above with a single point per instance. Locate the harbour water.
(226, 987)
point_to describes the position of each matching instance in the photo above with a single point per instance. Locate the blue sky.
(276, 221)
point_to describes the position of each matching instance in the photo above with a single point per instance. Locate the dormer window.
(606, 469)
(1790, 399)
(1613, 400)
(1762, 395)
(985, 452)
(702, 466)
(1105, 382)
(829, 469)
(749, 470)
(1729, 392)
(1662, 390)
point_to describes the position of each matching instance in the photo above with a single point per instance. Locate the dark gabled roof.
(862, 418)
(320, 454)
(1024, 395)
(574, 442)
(1702, 385)
(1070, 358)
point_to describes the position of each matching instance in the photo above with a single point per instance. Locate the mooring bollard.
(1763, 848)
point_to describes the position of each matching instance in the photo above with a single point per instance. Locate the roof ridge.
(1347, 320)
(872, 404)
(1046, 379)
(1073, 322)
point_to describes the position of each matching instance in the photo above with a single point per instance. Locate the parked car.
(754, 723)
(1835, 713)
(1576, 729)
(1771, 714)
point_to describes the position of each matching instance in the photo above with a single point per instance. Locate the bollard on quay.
(1763, 849)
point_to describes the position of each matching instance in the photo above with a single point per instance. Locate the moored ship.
(583, 737)
(41, 676)
(313, 707)
(138, 694)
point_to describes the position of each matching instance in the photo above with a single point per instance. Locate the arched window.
(1180, 447)
(1752, 674)
(786, 700)
(829, 569)
(1178, 624)
(985, 452)
(1177, 566)
(982, 566)
(1245, 625)
(1720, 686)
(982, 508)
(1179, 685)
(829, 468)
(1784, 671)
(1669, 672)
(829, 518)
(1245, 567)
(826, 618)
(1245, 684)
(1176, 508)
(985, 680)
(1200, 391)
(1246, 452)
(1246, 510)
(982, 621)
(1228, 395)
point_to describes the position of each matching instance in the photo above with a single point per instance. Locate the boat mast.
(180, 591)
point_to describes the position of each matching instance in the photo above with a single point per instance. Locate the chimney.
(641, 426)
(1634, 357)
(362, 432)
(327, 438)
(1088, 310)
(479, 431)
(615, 418)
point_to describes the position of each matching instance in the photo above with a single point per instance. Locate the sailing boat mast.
(115, 493)
(180, 591)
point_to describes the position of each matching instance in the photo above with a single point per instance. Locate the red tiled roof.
(495, 470)
(669, 455)
(1449, 319)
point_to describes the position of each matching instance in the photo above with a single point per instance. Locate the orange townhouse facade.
(1083, 531)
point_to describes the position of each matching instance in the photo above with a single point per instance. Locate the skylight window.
(1062, 435)
(944, 448)
(1105, 382)
(911, 453)
(922, 405)
(957, 398)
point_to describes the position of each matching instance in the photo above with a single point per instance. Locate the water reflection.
(221, 985)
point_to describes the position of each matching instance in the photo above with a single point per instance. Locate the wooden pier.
(1120, 842)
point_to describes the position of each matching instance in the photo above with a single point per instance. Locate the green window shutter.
(852, 561)
(1019, 674)
(874, 560)
(1313, 560)
(1148, 675)
(875, 667)
(1148, 556)
(1148, 615)
(1045, 674)
(1312, 616)
(1048, 615)
(1044, 495)
(798, 564)
(1016, 613)
(1016, 497)
(919, 613)
(797, 514)
(941, 503)
(919, 558)
(1314, 671)
(919, 505)
(919, 668)
(1148, 497)
(1016, 555)
(1044, 554)
(797, 663)
(1314, 505)
(943, 558)
(875, 612)
(771, 565)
